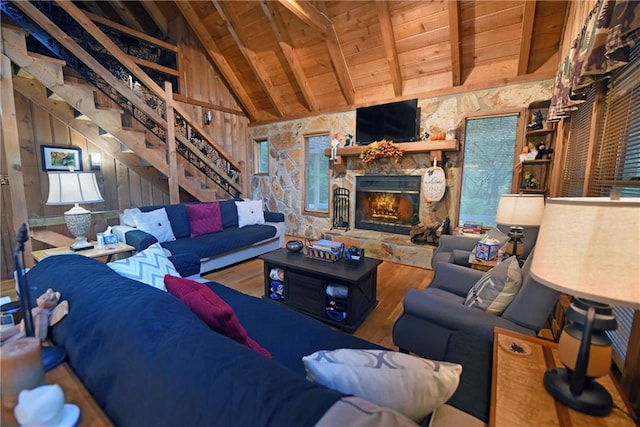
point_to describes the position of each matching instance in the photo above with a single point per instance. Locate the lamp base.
(594, 400)
(81, 244)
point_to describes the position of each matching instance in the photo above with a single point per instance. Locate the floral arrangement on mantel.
(380, 150)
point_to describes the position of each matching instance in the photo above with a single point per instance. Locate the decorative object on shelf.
(517, 211)
(294, 245)
(536, 122)
(451, 132)
(56, 158)
(529, 182)
(348, 141)
(572, 231)
(207, 118)
(69, 188)
(438, 136)
(380, 150)
(335, 143)
(434, 183)
(543, 152)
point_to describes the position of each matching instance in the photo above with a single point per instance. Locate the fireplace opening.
(387, 203)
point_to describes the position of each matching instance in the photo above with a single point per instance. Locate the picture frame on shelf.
(61, 158)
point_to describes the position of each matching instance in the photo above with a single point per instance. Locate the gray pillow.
(496, 288)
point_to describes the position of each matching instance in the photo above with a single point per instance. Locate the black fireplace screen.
(387, 203)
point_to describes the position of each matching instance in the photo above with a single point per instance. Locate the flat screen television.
(397, 121)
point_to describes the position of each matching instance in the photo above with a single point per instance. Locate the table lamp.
(68, 188)
(518, 211)
(588, 248)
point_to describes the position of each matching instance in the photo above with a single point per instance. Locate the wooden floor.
(393, 282)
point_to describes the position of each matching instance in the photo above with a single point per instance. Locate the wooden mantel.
(435, 148)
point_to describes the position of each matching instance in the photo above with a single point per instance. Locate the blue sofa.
(149, 361)
(216, 250)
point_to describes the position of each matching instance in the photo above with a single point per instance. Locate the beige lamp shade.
(523, 210)
(590, 248)
(68, 188)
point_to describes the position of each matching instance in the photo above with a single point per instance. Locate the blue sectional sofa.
(216, 250)
(149, 361)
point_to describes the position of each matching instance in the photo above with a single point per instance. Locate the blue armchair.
(435, 324)
(456, 249)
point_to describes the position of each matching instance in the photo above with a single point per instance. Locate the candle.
(21, 368)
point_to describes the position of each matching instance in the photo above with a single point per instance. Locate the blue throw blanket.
(148, 361)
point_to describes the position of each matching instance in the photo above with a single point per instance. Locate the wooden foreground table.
(518, 396)
(91, 414)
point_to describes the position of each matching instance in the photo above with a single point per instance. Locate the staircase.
(215, 174)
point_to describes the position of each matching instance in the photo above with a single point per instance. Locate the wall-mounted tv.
(397, 121)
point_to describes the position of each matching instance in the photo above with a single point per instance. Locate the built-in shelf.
(435, 148)
(406, 147)
(539, 132)
(538, 161)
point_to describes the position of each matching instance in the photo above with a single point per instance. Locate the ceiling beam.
(228, 16)
(454, 38)
(156, 14)
(216, 57)
(528, 18)
(390, 46)
(338, 61)
(126, 15)
(284, 41)
(308, 14)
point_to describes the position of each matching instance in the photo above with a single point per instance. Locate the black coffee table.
(305, 281)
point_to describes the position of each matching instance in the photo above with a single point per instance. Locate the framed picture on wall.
(61, 158)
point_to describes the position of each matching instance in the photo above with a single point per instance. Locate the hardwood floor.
(393, 282)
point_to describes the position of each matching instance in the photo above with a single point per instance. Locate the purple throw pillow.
(212, 310)
(204, 218)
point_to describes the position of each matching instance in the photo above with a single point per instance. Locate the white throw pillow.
(148, 266)
(155, 223)
(250, 213)
(126, 217)
(496, 288)
(408, 384)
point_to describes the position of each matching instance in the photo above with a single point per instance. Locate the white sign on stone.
(434, 184)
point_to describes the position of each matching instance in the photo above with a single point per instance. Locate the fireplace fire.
(387, 203)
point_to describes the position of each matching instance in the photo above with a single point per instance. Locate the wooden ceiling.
(293, 58)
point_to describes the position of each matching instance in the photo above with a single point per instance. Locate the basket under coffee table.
(304, 283)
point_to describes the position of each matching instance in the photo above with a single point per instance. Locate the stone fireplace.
(387, 203)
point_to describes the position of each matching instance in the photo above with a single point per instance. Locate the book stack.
(472, 228)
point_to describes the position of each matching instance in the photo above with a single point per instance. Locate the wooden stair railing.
(223, 171)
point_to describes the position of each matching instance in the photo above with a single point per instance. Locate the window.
(487, 171)
(261, 157)
(616, 165)
(316, 183)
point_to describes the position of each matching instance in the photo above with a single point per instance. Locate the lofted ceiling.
(293, 58)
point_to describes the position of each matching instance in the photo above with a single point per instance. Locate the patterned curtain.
(613, 26)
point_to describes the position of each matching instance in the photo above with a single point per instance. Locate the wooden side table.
(74, 392)
(518, 396)
(97, 252)
(478, 264)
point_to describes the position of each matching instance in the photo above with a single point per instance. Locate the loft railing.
(84, 47)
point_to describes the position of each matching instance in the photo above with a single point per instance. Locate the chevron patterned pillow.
(148, 267)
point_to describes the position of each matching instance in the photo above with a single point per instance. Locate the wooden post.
(174, 186)
(11, 142)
